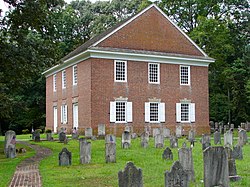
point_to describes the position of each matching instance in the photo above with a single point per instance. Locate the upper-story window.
(63, 79)
(120, 71)
(75, 75)
(54, 82)
(185, 75)
(154, 73)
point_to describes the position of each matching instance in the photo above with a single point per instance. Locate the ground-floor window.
(154, 112)
(120, 111)
(185, 112)
(64, 114)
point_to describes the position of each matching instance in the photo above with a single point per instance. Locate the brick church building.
(144, 71)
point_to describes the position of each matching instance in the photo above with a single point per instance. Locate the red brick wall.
(152, 32)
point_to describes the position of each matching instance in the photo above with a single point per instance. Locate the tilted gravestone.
(186, 160)
(237, 152)
(110, 152)
(109, 138)
(88, 132)
(166, 132)
(215, 166)
(156, 131)
(62, 136)
(242, 137)
(101, 131)
(85, 151)
(167, 154)
(10, 138)
(205, 141)
(191, 135)
(126, 140)
(65, 157)
(130, 177)
(178, 131)
(217, 138)
(144, 139)
(177, 176)
(159, 141)
(36, 135)
(228, 138)
(173, 142)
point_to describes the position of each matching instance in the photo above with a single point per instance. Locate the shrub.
(38, 130)
(48, 131)
(25, 131)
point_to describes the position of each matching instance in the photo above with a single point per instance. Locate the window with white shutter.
(154, 112)
(121, 112)
(185, 112)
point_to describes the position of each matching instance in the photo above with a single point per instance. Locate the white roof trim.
(146, 9)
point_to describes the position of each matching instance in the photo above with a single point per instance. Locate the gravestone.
(186, 160)
(130, 177)
(144, 139)
(109, 138)
(215, 166)
(216, 125)
(232, 126)
(221, 129)
(134, 136)
(228, 138)
(49, 136)
(247, 126)
(65, 157)
(242, 137)
(11, 151)
(217, 138)
(147, 128)
(167, 154)
(110, 152)
(205, 141)
(177, 176)
(156, 131)
(128, 129)
(10, 139)
(85, 151)
(36, 134)
(191, 135)
(166, 132)
(232, 171)
(88, 132)
(62, 136)
(178, 131)
(126, 140)
(101, 130)
(237, 152)
(159, 141)
(243, 125)
(75, 134)
(184, 145)
(173, 142)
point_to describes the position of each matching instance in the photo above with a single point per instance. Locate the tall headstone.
(144, 139)
(167, 154)
(242, 137)
(85, 151)
(126, 140)
(159, 141)
(110, 138)
(191, 135)
(166, 132)
(130, 177)
(65, 157)
(62, 136)
(186, 160)
(237, 152)
(156, 131)
(178, 131)
(205, 141)
(232, 171)
(215, 166)
(228, 138)
(217, 138)
(110, 152)
(10, 139)
(101, 130)
(88, 132)
(177, 176)
(173, 142)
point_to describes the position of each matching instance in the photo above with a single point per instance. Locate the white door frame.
(55, 118)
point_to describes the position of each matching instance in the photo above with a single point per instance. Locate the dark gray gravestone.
(205, 141)
(159, 141)
(85, 151)
(88, 132)
(228, 138)
(130, 177)
(232, 171)
(10, 138)
(177, 177)
(36, 134)
(49, 136)
(191, 135)
(167, 154)
(242, 137)
(217, 138)
(215, 167)
(166, 132)
(173, 142)
(126, 140)
(109, 138)
(65, 157)
(237, 152)
(110, 152)
(62, 136)
(11, 151)
(186, 160)
(144, 139)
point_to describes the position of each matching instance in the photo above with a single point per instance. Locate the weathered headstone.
(128, 129)
(10, 138)
(156, 131)
(205, 141)
(130, 177)
(65, 157)
(247, 126)
(237, 152)
(191, 135)
(147, 128)
(232, 126)
(49, 136)
(184, 145)
(167, 154)
(85, 151)
(101, 130)
(178, 131)
(88, 132)
(232, 171)
(177, 176)
(228, 138)
(126, 140)
(159, 141)
(242, 137)
(186, 160)
(216, 125)
(36, 134)
(217, 138)
(109, 138)
(215, 166)
(144, 139)
(221, 129)
(173, 142)
(62, 136)
(110, 152)
(134, 136)
(166, 132)
(75, 134)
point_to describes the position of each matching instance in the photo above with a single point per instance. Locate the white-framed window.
(74, 75)
(64, 79)
(64, 114)
(185, 112)
(121, 112)
(185, 75)
(120, 71)
(54, 82)
(154, 112)
(154, 73)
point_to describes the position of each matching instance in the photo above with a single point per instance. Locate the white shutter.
(162, 112)
(61, 114)
(129, 112)
(112, 111)
(66, 114)
(192, 112)
(178, 112)
(147, 112)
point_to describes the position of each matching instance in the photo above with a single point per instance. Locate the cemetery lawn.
(7, 165)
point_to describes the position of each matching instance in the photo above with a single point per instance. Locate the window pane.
(54, 82)
(184, 75)
(120, 71)
(184, 112)
(154, 111)
(75, 75)
(153, 73)
(120, 111)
